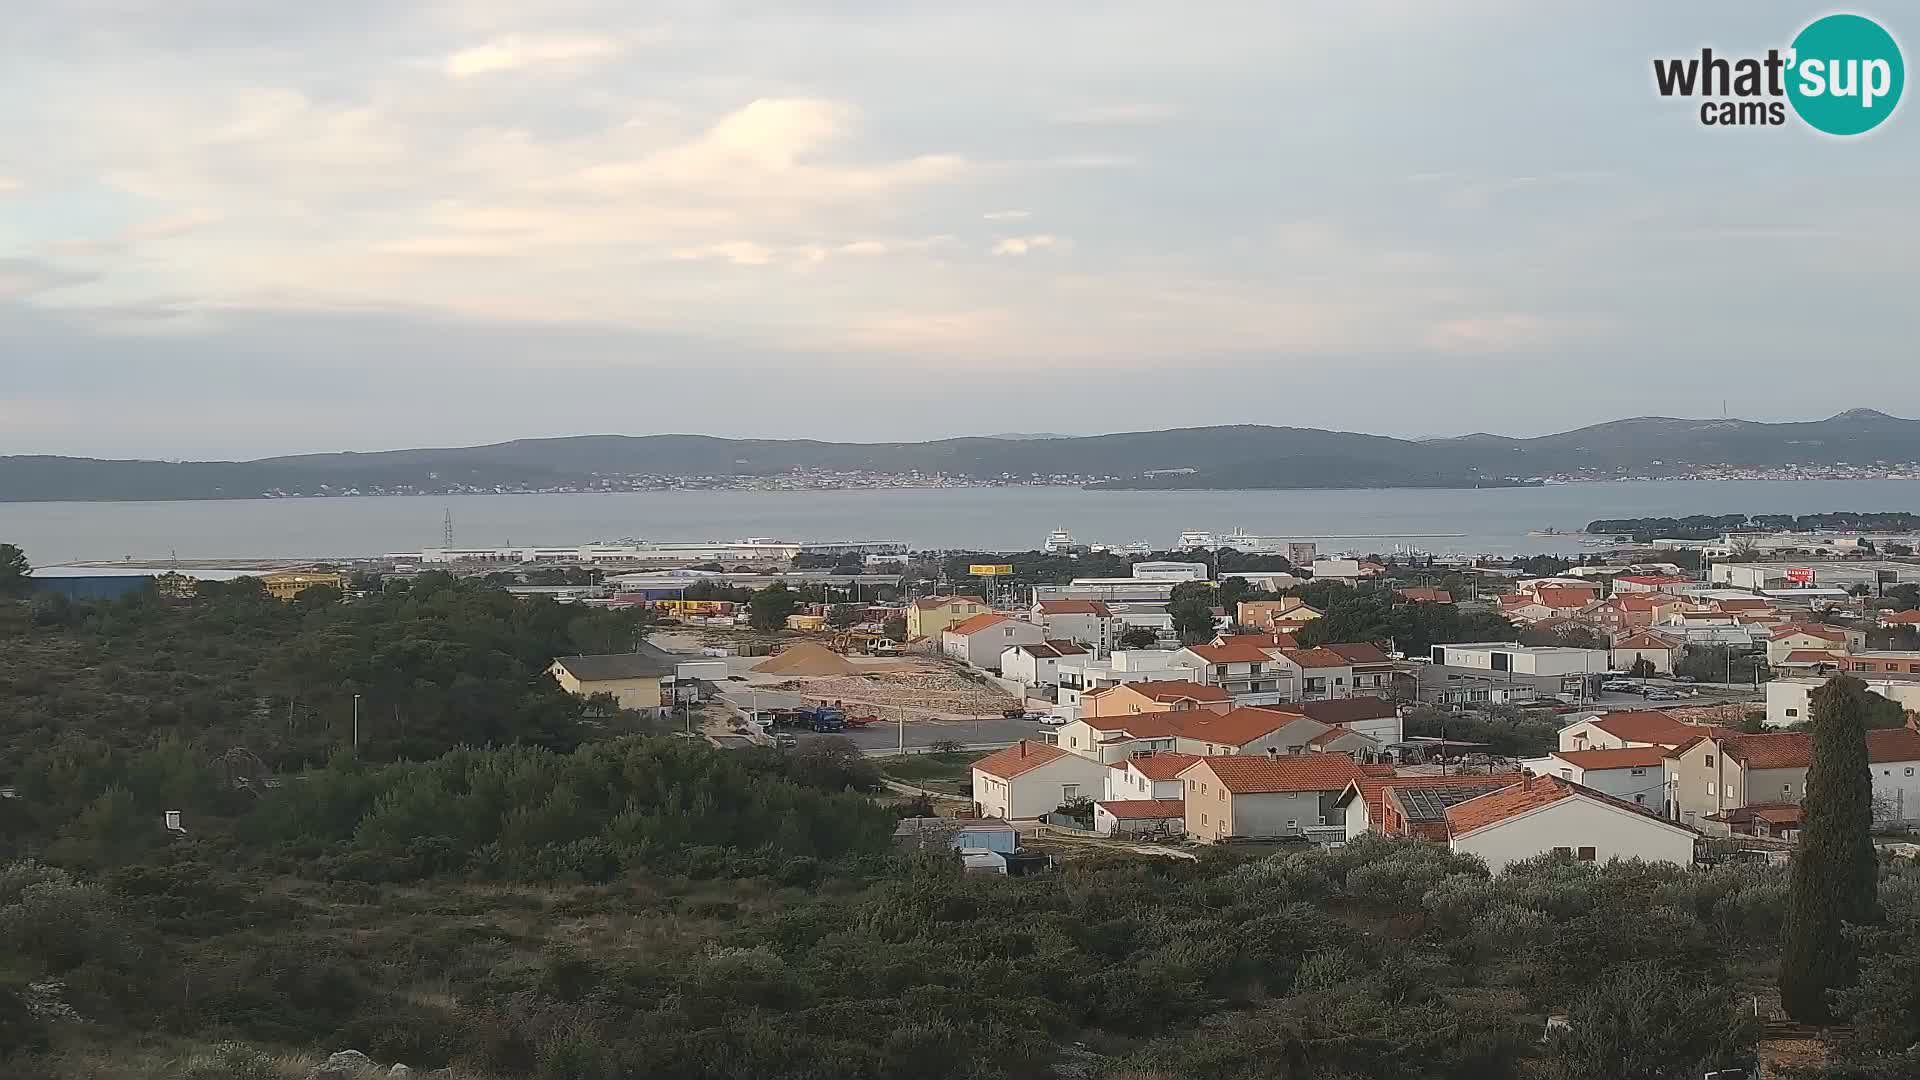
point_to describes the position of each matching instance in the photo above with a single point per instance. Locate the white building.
(1546, 814)
(1790, 698)
(1347, 570)
(1548, 661)
(1170, 571)
(1147, 776)
(980, 641)
(1635, 774)
(1080, 675)
(1037, 665)
(1029, 779)
(1089, 622)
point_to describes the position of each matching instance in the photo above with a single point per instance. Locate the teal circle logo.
(1846, 75)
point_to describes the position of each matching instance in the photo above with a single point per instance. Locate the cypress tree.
(1835, 869)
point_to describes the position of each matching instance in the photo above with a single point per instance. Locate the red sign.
(1800, 575)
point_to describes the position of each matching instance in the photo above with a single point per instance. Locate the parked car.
(1619, 686)
(1662, 695)
(1053, 719)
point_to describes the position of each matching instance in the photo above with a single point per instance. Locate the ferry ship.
(1059, 540)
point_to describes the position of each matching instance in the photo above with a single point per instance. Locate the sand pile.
(807, 659)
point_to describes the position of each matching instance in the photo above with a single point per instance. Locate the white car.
(1053, 719)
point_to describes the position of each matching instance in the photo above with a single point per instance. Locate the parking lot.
(987, 733)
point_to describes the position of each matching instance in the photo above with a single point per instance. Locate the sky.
(231, 228)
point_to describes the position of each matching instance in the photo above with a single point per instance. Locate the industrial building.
(1815, 574)
(1505, 672)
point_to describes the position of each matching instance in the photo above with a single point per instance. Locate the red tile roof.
(1528, 795)
(1053, 649)
(1074, 607)
(1633, 757)
(1144, 809)
(1162, 765)
(931, 603)
(1794, 749)
(1358, 652)
(1566, 596)
(1316, 658)
(1252, 774)
(1340, 711)
(1374, 788)
(1828, 633)
(1640, 601)
(1755, 604)
(1236, 728)
(1425, 596)
(1176, 690)
(1231, 654)
(1377, 770)
(1647, 727)
(1647, 641)
(1900, 617)
(1022, 757)
(977, 623)
(1814, 656)
(1275, 640)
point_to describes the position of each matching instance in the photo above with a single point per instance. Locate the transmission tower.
(446, 529)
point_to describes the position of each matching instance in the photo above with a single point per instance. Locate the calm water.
(988, 518)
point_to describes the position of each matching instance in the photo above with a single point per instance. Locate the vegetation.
(1506, 731)
(15, 572)
(1834, 868)
(769, 608)
(435, 663)
(1191, 608)
(1371, 613)
(518, 888)
(1709, 526)
(1139, 637)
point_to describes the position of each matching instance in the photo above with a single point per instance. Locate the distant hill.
(1234, 457)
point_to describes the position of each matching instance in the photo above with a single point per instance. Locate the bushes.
(1644, 1021)
(229, 1061)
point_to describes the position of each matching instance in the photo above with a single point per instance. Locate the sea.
(1497, 521)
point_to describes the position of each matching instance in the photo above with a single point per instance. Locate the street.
(987, 733)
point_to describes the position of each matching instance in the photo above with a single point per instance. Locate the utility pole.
(356, 725)
(902, 723)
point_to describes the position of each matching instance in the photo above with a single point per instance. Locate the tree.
(1139, 637)
(1642, 669)
(15, 571)
(1834, 870)
(769, 608)
(895, 628)
(1643, 1021)
(841, 616)
(1192, 619)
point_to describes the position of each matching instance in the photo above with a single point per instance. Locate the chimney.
(1913, 720)
(1023, 748)
(1526, 781)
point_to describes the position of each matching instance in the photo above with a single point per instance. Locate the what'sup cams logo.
(1842, 75)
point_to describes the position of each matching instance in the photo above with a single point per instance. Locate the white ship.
(1057, 541)
(1240, 540)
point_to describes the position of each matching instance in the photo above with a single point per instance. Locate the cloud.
(1496, 332)
(1117, 115)
(1022, 245)
(1006, 215)
(8, 185)
(737, 252)
(20, 278)
(515, 51)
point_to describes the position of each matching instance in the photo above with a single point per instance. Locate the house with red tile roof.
(1659, 651)
(1374, 672)
(1319, 673)
(1422, 595)
(1148, 774)
(979, 641)
(1615, 730)
(1810, 636)
(1549, 814)
(1089, 622)
(929, 615)
(1635, 774)
(1259, 796)
(1812, 662)
(1038, 664)
(1137, 817)
(1899, 618)
(1253, 673)
(1029, 779)
(1375, 717)
(1411, 805)
(1624, 613)
(1163, 695)
(1722, 770)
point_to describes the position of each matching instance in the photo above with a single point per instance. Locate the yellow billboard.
(990, 569)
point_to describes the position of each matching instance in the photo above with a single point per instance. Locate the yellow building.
(291, 583)
(929, 616)
(635, 680)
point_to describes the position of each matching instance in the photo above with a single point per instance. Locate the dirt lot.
(914, 692)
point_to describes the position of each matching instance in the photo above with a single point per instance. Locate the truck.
(822, 718)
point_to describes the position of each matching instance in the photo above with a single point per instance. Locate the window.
(1637, 772)
(1709, 787)
(1640, 799)
(1323, 819)
(1793, 712)
(1069, 792)
(1586, 854)
(1293, 824)
(1203, 819)
(1909, 770)
(1709, 761)
(1563, 851)
(1786, 789)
